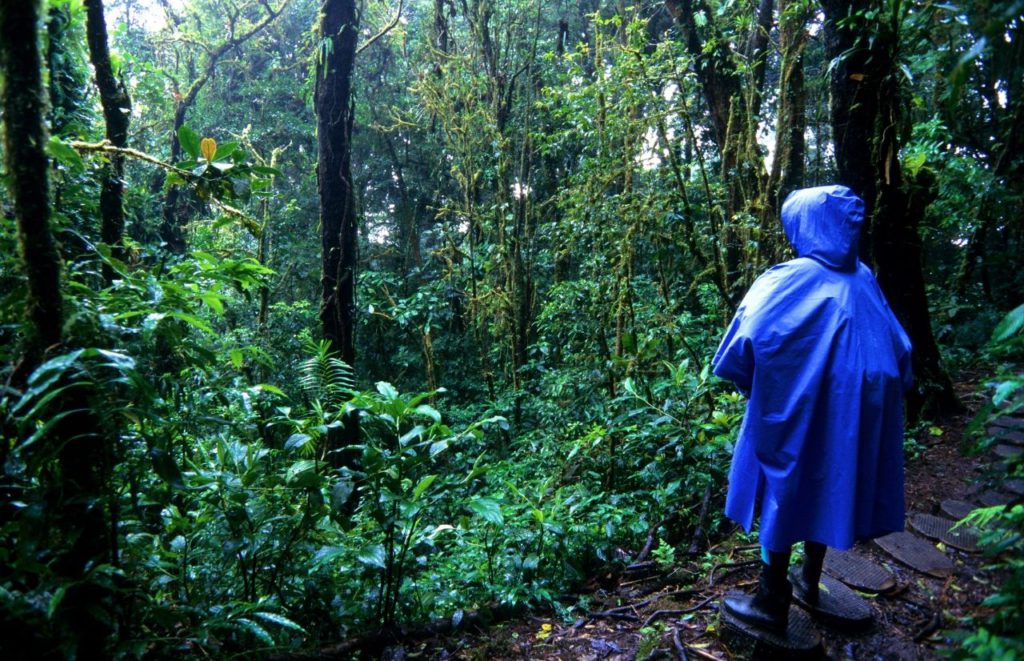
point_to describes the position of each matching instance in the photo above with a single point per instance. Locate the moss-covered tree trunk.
(78, 527)
(24, 103)
(116, 108)
(867, 121)
(339, 27)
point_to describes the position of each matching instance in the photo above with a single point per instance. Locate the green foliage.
(998, 635)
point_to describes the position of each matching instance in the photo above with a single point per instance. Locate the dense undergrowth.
(237, 529)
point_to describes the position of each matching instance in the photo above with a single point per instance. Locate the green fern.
(325, 378)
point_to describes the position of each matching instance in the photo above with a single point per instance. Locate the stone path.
(923, 547)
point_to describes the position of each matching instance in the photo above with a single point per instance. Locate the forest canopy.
(322, 316)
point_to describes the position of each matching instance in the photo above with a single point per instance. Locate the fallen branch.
(657, 615)
(930, 627)
(680, 648)
(733, 565)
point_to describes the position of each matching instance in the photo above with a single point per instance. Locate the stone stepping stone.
(916, 553)
(838, 606)
(993, 498)
(1007, 451)
(1014, 486)
(1009, 422)
(743, 641)
(964, 538)
(1011, 436)
(858, 571)
(956, 509)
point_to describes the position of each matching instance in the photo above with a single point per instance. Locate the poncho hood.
(824, 224)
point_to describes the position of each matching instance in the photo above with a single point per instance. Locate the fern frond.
(326, 378)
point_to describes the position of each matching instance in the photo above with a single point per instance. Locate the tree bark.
(788, 167)
(82, 455)
(116, 108)
(867, 120)
(334, 111)
(853, 104)
(24, 137)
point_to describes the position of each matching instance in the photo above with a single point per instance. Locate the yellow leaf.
(208, 147)
(857, 76)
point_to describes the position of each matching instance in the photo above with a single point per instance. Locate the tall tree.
(339, 30)
(733, 95)
(116, 108)
(74, 440)
(868, 121)
(24, 136)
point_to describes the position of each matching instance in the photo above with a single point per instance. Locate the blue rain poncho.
(826, 365)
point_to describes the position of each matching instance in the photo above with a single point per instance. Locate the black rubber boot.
(805, 579)
(769, 607)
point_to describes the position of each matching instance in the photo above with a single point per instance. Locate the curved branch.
(388, 28)
(105, 147)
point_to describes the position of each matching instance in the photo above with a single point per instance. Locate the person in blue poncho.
(826, 365)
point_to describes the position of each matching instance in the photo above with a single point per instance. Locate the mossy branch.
(105, 147)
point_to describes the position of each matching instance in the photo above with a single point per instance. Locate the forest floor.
(674, 614)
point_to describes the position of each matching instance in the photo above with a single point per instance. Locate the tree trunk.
(867, 117)
(116, 109)
(788, 167)
(733, 105)
(82, 455)
(24, 138)
(853, 91)
(334, 112)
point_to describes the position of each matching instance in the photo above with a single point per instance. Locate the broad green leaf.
(55, 600)
(489, 510)
(423, 486)
(302, 474)
(255, 629)
(192, 320)
(266, 387)
(236, 358)
(263, 169)
(279, 619)
(165, 466)
(1010, 325)
(373, 556)
(410, 435)
(213, 301)
(387, 390)
(64, 153)
(297, 441)
(224, 151)
(429, 411)
(327, 554)
(189, 141)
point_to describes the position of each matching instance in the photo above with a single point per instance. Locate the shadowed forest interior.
(325, 317)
